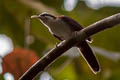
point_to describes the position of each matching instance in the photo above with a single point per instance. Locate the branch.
(114, 56)
(39, 7)
(46, 60)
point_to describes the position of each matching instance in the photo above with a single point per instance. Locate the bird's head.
(45, 18)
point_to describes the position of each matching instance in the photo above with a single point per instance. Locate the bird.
(63, 27)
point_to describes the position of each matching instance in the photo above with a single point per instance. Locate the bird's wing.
(57, 37)
(75, 26)
(89, 56)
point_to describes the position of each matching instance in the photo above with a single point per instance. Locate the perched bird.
(62, 27)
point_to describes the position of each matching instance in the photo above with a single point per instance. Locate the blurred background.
(23, 40)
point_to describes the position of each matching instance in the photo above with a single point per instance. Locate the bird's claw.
(56, 45)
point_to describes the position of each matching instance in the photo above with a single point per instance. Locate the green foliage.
(1, 77)
(67, 73)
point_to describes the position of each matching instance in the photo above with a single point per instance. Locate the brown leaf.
(19, 61)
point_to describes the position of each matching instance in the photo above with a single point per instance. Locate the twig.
(41, 64)
(114, 56)
(39, 7)
(27, 33)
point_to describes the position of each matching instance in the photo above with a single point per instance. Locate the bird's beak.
(38, 17)
(35, 16)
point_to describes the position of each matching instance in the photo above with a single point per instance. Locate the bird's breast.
(61, 29)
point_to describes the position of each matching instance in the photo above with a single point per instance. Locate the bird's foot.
(56, 45)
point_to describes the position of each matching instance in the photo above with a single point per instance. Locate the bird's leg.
(56, 45)
(60, 43)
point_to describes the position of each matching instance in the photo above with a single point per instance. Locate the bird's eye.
(42, 15)
(48, 16)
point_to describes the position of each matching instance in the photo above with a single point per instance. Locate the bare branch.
(27, 33)
(39, 7)
(114, 56)
(41, 64)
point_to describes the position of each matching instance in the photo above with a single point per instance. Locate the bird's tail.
(89, 56)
